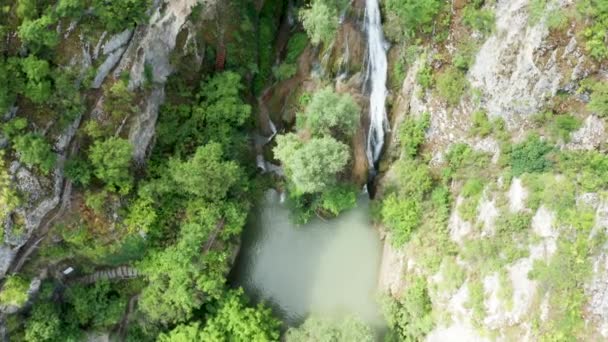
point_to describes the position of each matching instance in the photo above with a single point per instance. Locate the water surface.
(324, 267)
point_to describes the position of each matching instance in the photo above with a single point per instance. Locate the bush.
(451, 85)
(412, 133)
(401, 217)
(322, 329)
(413, 15)
(312, 167)
(39, 33)
(284, 71)
(78, 171)
(424, 77)
(34, 150)
(38, 86)
(481, 20)
(414, 178)
(329, 113)
(119, 15)
(597, 30)
(111, 161)
(563, 125)
(320, 21)
(339, 198)
(296, 45)
(14, 291)
(530, 156)
(599, 99)
(411, 317)
(481, 125)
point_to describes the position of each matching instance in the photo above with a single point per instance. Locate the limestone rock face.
(515, 69)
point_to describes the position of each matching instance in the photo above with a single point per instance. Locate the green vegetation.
(14, 291)
(478, 18)
(333, 114)
(34, 150)
(117, 16)
(599, 97)
(451, 85)
(319, 329)
(412, 133)
(311, 166)
(111, 160)
(530, 156)
(412, 16)
(410, 318)
(320, 21)
(597, 27)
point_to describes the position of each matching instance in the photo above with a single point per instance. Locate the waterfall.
(377, 75)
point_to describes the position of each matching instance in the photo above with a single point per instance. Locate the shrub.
(312, 167)
(451, 85)
(111, 161)
(78, 171)
(478, 19)
(401, 217)
(39, 33)
(412, 133)
(414, 178)
(424, 77)
(284, 71)
(320, 21)
(481, 125)
(119, 15)
(339, 198)
(563, 125)
(331, 113)
(410, 318)
(599, 99)
(597, 30)
(34, 150)
(413, 16)
(530, 156)
(14, 291)
(295, 46)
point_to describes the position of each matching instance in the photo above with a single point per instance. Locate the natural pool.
(324, 267)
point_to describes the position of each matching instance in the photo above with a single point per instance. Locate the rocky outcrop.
(516, 70)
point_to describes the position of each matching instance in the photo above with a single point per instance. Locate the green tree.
(38, 86)
(10, 81)
(414, 15)
(14, 291)
(530, 156)
(182, 333)
(401, 216)
(119, 15)
(313, 166)
(44, 324)
(39, 33)
(451, 85)
(206, 174)
(111, 160)
(233, 320)
(330, 113)
(95, 305)
(34, 150)
(410, 317)
(599, 99)
(27, 9)
(315, 328)
(320, 21)
(9, 199)
(78, 171)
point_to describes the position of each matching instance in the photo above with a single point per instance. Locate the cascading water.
(377, 75)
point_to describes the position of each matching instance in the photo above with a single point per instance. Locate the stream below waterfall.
(329, 268)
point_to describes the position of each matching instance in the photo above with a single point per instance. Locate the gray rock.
(107, 66)
(117, 41)
(7, 255)
(143, 126)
